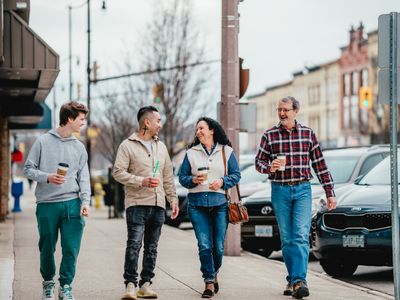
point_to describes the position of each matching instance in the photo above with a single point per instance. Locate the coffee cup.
(62, 169)
(282, 160)
(204, 172)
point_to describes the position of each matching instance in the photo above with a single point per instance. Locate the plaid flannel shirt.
(300, 146)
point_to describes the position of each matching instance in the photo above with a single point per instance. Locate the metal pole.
(88, 143)
(70, 49)
(393, 154)
(230, 98)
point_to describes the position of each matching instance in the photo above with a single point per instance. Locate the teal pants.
(63, 217)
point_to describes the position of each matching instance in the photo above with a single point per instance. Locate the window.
(346, 84)
(346, 112)
(369, 163)
(355, 83)
(354, 112)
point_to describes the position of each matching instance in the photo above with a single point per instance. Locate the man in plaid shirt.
(291, 190)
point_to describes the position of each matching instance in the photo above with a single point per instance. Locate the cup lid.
(63, 165)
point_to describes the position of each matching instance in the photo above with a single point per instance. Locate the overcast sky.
(276, 37)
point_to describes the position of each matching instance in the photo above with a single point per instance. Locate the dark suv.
(359, 230)
(345, 164)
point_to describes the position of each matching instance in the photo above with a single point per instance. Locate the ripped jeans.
(144, 223)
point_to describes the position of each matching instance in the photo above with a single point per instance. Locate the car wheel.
(266, 252)
(338, 268)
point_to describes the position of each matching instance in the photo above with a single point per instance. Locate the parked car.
(358, 231)
(345, 164)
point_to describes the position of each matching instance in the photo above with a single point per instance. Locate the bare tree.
(170, 39)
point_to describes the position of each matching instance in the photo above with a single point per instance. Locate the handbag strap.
(225, 173)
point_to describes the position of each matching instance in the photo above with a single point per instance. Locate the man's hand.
(150, 182)
(85, 210)
(216, 184)
(331, 203)
(275, 164)
(55, 178)
(175, 210)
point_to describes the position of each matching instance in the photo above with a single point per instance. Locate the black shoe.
(300, 290)
(288, 291)
(216, 287)
(207, 293)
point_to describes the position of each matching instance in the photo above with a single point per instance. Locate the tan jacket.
(134, 162)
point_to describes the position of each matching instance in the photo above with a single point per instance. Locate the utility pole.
(88, 142)
(70, 50)
(230, 99)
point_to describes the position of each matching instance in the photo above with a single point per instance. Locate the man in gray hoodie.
(62, 198)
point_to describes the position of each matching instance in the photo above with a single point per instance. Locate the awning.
(28, 71)
(38, 122)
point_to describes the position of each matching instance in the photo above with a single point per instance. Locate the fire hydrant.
(98, 194)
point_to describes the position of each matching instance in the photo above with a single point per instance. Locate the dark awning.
(29, 69)
(42, 121)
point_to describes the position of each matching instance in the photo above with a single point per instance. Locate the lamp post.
(70, 8)
(88, 71)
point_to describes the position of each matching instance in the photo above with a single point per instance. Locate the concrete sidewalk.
(100, 265)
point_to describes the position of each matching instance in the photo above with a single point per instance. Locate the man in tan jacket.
(143, 165)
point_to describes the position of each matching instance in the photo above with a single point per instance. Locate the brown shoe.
(300, 290)
(288, 291)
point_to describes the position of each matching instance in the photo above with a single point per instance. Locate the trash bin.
(17, 189)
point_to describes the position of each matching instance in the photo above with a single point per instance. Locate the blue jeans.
(142, 222)
(292, 207)
(210, 224)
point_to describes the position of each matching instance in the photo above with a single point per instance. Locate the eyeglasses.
(285, 110)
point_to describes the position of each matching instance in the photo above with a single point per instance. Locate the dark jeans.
(210, 224)
(142, 222)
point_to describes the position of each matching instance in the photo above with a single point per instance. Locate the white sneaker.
(65, 293)
(48, 290)
(130, 292)
(146, 292)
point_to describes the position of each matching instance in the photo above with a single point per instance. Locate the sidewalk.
(100, 265)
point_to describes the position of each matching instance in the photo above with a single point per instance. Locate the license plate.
(353, 241)
(263, 230)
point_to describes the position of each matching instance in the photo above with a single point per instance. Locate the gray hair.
(293, 100)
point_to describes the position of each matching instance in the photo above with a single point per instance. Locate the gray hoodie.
(47, 152)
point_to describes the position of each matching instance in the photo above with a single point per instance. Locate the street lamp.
(70, 8)
(88, 70)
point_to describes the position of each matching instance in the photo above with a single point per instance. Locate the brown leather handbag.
(237, 213)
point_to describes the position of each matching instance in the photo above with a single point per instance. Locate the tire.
(266, 252)
(338, 268)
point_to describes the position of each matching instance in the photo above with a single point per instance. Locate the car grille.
(370, 221)
(255, 210)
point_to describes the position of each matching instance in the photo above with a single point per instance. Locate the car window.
(341, 168)
(370, 162)
(250, 174)
(379, 175)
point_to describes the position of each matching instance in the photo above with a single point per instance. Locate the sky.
(276, 38)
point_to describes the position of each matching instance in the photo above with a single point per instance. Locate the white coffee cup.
(62, 169)
(282, 160)
(203, 171)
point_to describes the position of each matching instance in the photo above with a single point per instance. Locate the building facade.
(329, 97)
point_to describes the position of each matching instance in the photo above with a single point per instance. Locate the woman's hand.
(216, 184)
(198, 179)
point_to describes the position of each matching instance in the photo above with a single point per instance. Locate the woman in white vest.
(203, 173)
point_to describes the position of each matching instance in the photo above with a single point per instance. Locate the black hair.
(144, 110)
(220, 136)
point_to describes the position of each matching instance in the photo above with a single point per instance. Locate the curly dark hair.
(220, 136)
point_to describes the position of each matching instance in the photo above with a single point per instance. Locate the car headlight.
(319, 204)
